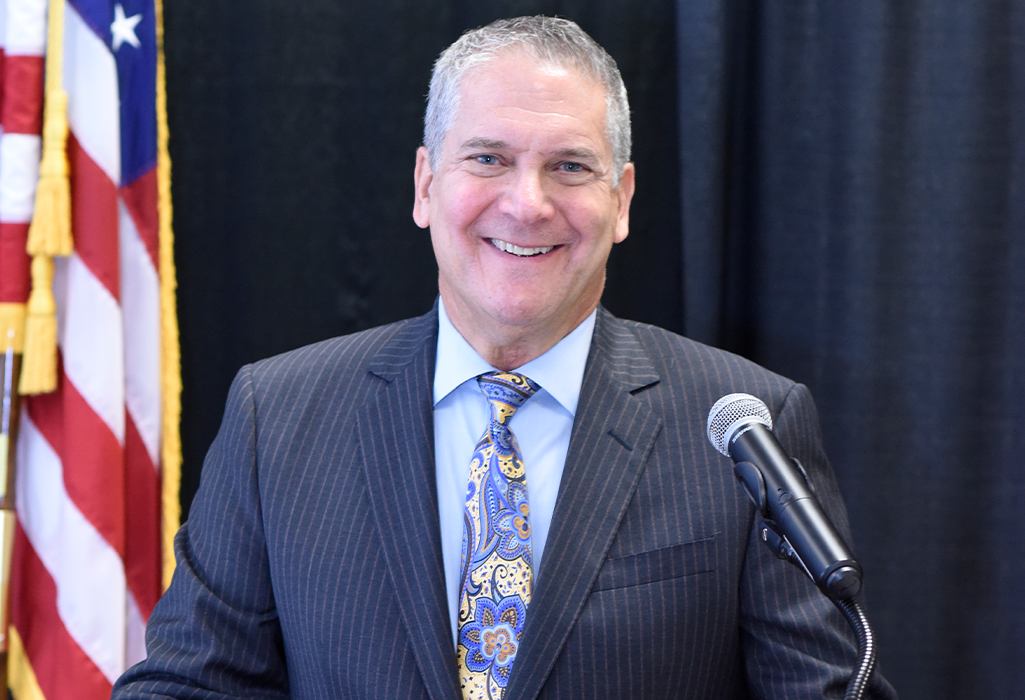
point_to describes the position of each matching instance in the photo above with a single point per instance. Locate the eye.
(486, 159)
(572, 167)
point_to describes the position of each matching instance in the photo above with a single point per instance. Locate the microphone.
(740, 427)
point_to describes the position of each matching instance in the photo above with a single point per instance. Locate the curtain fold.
(872, 247)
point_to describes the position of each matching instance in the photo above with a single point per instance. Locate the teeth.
(516, 250)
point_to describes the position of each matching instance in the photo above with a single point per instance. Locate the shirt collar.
(560, 371)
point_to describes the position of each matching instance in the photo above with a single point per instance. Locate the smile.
(521, 252)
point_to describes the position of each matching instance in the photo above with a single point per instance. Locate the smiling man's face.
(521, 207)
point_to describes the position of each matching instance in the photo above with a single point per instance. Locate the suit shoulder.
(676, 348)
(690, 366)
(341, 360)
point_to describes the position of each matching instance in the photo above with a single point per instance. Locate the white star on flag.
(122, 29)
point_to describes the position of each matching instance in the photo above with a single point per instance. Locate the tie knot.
(506, 391)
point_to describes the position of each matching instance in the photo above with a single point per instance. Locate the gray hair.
(548, 39)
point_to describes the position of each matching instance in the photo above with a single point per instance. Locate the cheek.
(463, 205)
(591, 209)
(595, 226)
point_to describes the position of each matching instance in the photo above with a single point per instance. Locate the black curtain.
(834, 190)
(855, 172)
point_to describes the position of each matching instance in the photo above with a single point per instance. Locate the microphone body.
(780, 491)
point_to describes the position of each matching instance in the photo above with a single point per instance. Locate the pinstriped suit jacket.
(311, 563)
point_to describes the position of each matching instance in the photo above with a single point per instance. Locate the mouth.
(518, 251)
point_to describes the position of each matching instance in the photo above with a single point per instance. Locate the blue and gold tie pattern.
(496, 560)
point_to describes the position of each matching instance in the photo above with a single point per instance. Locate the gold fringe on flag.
(170, 352)
(50, 231)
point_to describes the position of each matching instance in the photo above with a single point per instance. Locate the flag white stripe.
(19, 172)
(90, 79)
(3, 25)
(92, 341)
(140, 296)
(135, 634)
(88, 573)
(25, 27)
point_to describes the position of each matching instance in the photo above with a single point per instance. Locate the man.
(599, 547)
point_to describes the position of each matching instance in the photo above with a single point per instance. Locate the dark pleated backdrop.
(835, 190)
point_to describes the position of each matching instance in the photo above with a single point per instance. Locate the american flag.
(87, 556)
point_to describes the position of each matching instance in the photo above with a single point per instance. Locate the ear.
(422, 177)
(624, 194)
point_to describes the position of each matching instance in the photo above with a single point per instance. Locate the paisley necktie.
(496, 572)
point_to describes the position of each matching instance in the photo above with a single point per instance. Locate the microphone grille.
(732, 412)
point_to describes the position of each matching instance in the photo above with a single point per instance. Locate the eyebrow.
(486, 144)
(479, 142)
(578, 153)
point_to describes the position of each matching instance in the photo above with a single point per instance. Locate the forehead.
(518, 93)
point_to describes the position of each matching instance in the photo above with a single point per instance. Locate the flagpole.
(9, 414)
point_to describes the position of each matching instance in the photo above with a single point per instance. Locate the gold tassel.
(50, 231)
(39, 364)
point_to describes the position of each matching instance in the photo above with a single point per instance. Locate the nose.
(526, 198)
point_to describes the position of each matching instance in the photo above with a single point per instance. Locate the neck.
(508, 358)
(505, 346)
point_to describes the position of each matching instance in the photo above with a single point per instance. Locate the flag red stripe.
(62, 669)
(22, 111)
(140, 198)
(91, 455)
(142, 544)
(15, 280)
(94, 219)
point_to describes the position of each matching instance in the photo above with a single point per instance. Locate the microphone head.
(731, 413)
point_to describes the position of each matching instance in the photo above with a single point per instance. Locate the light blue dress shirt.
(542, 428)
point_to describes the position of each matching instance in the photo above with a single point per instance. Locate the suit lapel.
(397, 439)
(613, 433)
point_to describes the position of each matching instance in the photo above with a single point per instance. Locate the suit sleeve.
(796, 643)
(215, 633)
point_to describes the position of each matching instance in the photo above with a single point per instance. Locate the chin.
(519, 317)
(527, 312)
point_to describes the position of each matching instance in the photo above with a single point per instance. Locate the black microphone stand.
(850, 608)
